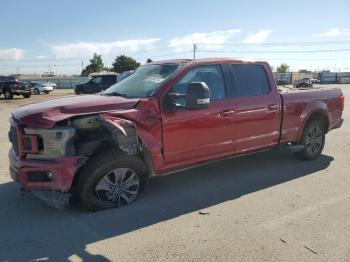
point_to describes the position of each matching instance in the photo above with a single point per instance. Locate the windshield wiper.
(115, 93)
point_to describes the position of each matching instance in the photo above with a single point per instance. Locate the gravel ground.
(264, 207)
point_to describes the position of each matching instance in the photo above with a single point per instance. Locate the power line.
(286, 43)
(277, 52)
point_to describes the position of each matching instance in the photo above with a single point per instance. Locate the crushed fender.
(123, 132)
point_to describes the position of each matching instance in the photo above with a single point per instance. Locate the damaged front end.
(45, 161)
(123, 132)
(104, 130)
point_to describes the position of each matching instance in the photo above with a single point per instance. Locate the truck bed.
(299, 104)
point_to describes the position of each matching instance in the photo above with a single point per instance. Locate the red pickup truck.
(167, 116)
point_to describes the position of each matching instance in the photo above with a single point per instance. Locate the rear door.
(191, 136)
(256, 105)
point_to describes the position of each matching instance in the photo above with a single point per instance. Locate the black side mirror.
(198, 96)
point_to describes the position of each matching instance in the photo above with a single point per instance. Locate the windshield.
(144, 82)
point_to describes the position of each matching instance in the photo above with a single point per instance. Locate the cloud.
(205, 40)
(86, 49)
(11, 54)
(41, 57)
(334, 32)
(258, 37)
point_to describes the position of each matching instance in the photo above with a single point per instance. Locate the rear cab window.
(248, 80)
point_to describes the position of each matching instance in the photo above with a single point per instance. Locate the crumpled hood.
(47, 113)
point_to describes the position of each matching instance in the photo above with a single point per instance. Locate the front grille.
(14, 139)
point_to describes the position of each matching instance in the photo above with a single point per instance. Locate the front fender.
(144, 126)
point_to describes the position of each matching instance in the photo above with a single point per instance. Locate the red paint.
(341, 100)
(63, 170)
(47, 113)
(184, 138)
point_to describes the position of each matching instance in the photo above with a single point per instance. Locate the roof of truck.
(205, 60)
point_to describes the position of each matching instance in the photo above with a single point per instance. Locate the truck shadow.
(39, 231)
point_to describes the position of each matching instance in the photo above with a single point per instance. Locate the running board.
(291, 148)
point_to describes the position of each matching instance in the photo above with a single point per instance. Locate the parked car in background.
(10, 86)
(282, 82)
(38, 87)
(100, 82)
(96, 84)
(303, 83)
(315, 80)
(53, 84)
(167, 116)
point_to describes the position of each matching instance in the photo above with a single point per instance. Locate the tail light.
(341, 100)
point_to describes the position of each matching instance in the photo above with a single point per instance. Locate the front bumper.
(62, 169)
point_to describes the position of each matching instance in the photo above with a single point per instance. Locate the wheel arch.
(319, 114)
(107, 146)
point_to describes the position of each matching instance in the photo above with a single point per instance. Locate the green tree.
(96, 65)
(283, 68)
(124, 63)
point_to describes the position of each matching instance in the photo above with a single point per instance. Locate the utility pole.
(55, 68)
(194, 50)
(82, 65)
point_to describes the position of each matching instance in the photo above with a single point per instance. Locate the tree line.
(121, 64)
(124, 63)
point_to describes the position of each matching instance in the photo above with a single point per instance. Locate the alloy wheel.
(120, 186)
(314, 140)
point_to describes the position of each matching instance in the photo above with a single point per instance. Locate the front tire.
(46, 92)
(111, 180)
(313, 140)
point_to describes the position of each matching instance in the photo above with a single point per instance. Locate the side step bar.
(291, 148)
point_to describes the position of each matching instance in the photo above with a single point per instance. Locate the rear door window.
(248, 80)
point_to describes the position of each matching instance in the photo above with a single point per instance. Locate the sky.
(37, 36)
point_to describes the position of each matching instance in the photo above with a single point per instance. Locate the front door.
(191, 136)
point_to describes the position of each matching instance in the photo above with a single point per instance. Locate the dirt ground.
(264, 207)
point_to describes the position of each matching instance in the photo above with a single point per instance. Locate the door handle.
(272, 107)
(228, 113)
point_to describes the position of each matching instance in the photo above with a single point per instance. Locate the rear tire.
(313, 140)
(97, 187)
(46, 92)
(27, 95)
